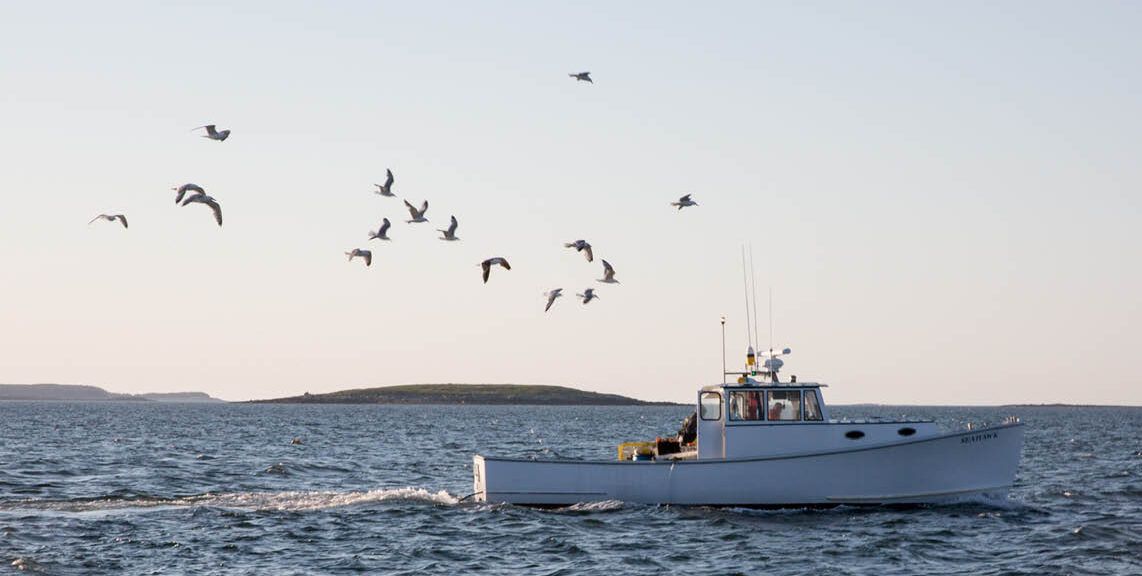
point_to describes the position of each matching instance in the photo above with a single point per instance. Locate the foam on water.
(291, 501)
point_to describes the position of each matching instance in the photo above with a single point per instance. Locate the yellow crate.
(628, 449)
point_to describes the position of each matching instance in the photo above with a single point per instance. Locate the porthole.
(906, 431)
(854, 434)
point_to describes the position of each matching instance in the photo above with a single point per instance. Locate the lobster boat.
(765, 442)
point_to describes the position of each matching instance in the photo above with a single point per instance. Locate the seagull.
(111, 218)
(188, 187)
(551, 296)
(587, 295)
(386, 189)
(608, 274)
(382, 233)
(364, 254)
(209, 201)
(582, 77)
(417, 215)
(684, 202)
(213, 134)
(450, 233)
(581, 246)
(487, 265)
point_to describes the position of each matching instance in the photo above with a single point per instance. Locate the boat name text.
(979, 437)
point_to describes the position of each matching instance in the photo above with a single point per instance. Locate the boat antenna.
(753, 288)
(745, 286)
(723, 348)
(770, 318)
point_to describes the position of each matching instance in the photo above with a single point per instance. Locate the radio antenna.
(753, 288)
(745, 286)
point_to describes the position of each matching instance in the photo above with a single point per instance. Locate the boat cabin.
(755, 418)
(762, 418)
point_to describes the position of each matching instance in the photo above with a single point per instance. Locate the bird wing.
(487, 266)
(411, 209)
(424, 208)
(551, 296)
(505, 264)
(452, 228)
(368, 256)
(94, 219)
(194, 198)
(121, 218)
(217, 208)
(590, 255)
(388, 178)
(384, 226)
(685, 198)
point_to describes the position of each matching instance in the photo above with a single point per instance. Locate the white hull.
(974, 463)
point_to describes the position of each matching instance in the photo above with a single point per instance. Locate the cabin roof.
(763, 385)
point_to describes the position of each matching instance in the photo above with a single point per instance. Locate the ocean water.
(133, 488)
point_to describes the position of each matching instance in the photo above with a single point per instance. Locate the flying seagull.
(581, 246)
(582, 77)
(366, 255)
(209, 201)
(551, 296)
(417, 215)
(487, 266)
(684, 202)
(608, 274)
(382, 233)
(188, 187)
(111, 218)
(386, 189)
(450, 233)
(213, 134)
(587, 295)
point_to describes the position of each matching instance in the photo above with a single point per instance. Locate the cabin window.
(812, 408)
(711, 403)
(784, 405)
(746, 405)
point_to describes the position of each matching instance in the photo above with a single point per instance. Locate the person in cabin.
(753, 408)
(775, 411)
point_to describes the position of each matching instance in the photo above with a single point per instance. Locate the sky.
(942, 200)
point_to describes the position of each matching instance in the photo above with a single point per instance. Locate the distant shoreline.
(82, 393)
(458, 394)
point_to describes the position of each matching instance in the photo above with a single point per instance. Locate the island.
(80, 393)
(467, 394)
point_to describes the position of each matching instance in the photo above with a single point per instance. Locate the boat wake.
(986, 502)
(285, 501)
